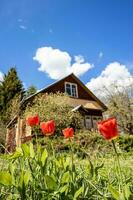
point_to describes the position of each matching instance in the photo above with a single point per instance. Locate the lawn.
(85, 167)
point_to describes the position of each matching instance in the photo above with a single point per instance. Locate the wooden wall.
(60, 86)
(10, 139)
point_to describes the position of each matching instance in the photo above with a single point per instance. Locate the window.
(88, 122)
(71, 89)
(68, 89)
(95, 120)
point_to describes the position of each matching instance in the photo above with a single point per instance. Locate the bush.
(126, 142)
(55, 107)
(89, 142)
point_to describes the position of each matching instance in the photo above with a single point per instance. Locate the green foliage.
(31, 90)
(89, 142)
(35, 172)
(126, 142)
(11, 92)
(5, 178)
(55, 107)
(93, 141)
(10, 86)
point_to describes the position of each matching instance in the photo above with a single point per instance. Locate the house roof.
(85, 103)
(44, 89)
(77, 108)
(93, 104)
(77, 103)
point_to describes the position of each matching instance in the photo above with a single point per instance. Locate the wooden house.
(80, 98)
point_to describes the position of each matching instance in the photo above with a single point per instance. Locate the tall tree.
(9, 88)
(31, 90)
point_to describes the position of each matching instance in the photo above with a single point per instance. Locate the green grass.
(84, 168)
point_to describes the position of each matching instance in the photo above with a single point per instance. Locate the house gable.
(82, 91)
(94, 98)
(60, 87)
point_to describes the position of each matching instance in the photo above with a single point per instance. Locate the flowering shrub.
(54, 107)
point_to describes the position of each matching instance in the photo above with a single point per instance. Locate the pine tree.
(10, 87)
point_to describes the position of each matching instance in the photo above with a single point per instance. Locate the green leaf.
(32, 153)
(91, 168)
(5, 178)
(97, 168)
(65, 177)
(24, 180)
(21, 180)
(16, 154)
(51, 184)
(11, 168)
(44, 157)
(127, 191)
(27, 177)
(63, 189)
(39, 147)
(66, 163)
(26, 150)
(114, 192)
(78, 192)
(9, 197)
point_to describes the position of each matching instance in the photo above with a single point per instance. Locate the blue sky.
(101, 32)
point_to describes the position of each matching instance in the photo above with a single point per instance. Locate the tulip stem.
(52, 148)
(36, 139)
(119, 166)
(71, 150)
(72, 156)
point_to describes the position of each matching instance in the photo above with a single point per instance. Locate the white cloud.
(23, 27)
(79, 59)
(114, 73)
(57, 63)
(100, 55)
(1, 76)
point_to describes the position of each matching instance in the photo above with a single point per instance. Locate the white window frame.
(71, 89)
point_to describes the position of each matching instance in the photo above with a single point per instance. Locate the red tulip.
(48, 128)
(108, 128)
(68, 132)
(33, 121)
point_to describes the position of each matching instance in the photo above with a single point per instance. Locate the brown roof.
(85, 103)
(98, 101)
